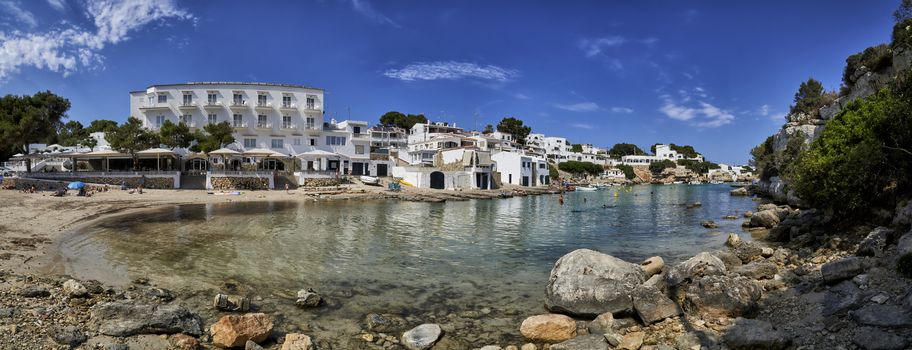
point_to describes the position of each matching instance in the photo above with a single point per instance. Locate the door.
(525, 181)
(357, 168)
(381, 170)
(437, 180)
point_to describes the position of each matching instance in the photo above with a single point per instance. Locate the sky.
(718, 75)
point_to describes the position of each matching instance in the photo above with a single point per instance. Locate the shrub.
(810, 97)
(552, 171)
(904, 265)
(698, 167)
(902, 34)
(874, 58)
(658, 167)
(628, 171)
(577, 168)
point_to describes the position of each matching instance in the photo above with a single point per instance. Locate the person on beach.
(123, 185)
(286, 189)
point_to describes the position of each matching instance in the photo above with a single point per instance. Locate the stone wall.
(320, 182)
(166, 183)
(239, 183)
(42, 185)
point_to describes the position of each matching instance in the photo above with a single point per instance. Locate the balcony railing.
(238, 103)
(239, 125)
(150, 106)
(213, 104)
(289, 106)
(264, 105)
(288, 126)
(187, 104)
(311, 107)
(264, 125)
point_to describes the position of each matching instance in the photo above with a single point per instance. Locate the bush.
(698, 167)
(658, 167)
(552, 171)
(765, 160)
(874, 58)
(628, 171)
(577, 168)
(810, 97)
(904, 265)
(902, 34)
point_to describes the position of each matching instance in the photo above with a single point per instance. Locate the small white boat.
(370, 180)
(587, 189)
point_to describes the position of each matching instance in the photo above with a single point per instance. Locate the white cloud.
(582, 126)
(593, 47)
(13, 9)
(766, 111)
(622, 110)
(58, 5)
(703, 115)
(367, 10)
(451, 70)
(521, 96)
(67, 50)
(580, 107)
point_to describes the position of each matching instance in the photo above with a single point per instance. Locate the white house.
(521, 169)
(453, 169)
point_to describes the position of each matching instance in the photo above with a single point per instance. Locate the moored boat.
(370, 180)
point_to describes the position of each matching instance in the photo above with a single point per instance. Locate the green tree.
(488, 129)
(515, 127)
(576, 148)
(175, 135)
(130, 138)
(628, 171)
(101, 125)
(71, 133)
(30, 119)
(903, 12)
(89, 142)
(578, 168)
(698, 167)
(625, 149)
(216, 136)
(810, 97)
(658, 167)
(405, 121)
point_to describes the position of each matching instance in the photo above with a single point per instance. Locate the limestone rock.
(903, 216)
(765, 218)
(757, 270)
(841, 298)
(870, 338)
(882, 316)
(251, 345)
(733, 240)
(74, 289)
(227, 302)
(528, 346)
(904, 245)
(183, 342)
(653, 265)
(748, 334)
(602, 324)
(297, 341)
(739, 192)
(653, 306)
(236, 330)
(875, 243)
(68, 335)
(550, 328)
(421, 337)
(124, 318)
(723, 296)
(729, 259)
(839, 270)
(703, 264)
(308, 298)
(632, 341)
(588, 283)
(384, 322)
(709, 224)
(586, 342)
(748, 251)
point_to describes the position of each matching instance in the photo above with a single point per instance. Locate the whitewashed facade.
(521, 169)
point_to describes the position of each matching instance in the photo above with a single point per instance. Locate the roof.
(216, 83)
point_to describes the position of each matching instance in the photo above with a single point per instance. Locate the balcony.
(264, 126)
(289, 128)
(312, 107)
(364, 137)
(239, 105)
(289, 107)
(164, 106)
(213, 105)
(239, 125)
(264, 106)
(313, 129)
(187, 105)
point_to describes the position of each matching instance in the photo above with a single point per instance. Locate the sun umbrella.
(76, 185)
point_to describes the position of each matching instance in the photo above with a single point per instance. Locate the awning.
(224, 152)
(100, 154)
(317, 153)
(262, 152)
(156, 152)
(194, 155)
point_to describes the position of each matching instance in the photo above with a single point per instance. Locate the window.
(359, 149)
(261, 121)
(313, 142)
(212, 119)
(356, 129)
(261, 100)
(297, 141)
(186, 119)
(335, 141)
(286, 101)
(310, 122)
(159, 120)
(278, 143)
(249, 143)
(238, 121)
(238, 99)
(162, 98)
(286, 122)
(188, 99)
(311, 102)
(212, 98)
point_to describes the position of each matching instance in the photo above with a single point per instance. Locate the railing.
(312, 127)
(154, 105)
(213, 104)
(289, 126)
(264, 125)
(359, 136)
(264, 105)
(238, 103)
(241, 172)
(289, 106)
(188, 104)
(70, 174)
(320, 172)
(311, 107)
(239, 125)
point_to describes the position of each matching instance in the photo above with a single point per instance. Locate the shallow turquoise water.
(428, 260)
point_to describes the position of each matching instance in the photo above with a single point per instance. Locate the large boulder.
(124, 318)
(760, 269)
(875, 243)
(748, 334)
(766, 218)
(550, 328)
(904, 245)
(842, 297)
(297, 341)
(883, 315)
(870, 338)
(703, 264)
(748, 251)
(652, 265)
(723, 296)
(602, 324)
(903, 216)
(842, 269)
(588, 283)
(421, 337)
(653, 306)
(74, 289)
(69, 336)
(739, 192)
(235, 330)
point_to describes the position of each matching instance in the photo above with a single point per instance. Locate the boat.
(586, 188)
(370, 180)
(696, 183)
(715, 182)
(678, 182)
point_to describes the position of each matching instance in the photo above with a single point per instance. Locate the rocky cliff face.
(864, 83)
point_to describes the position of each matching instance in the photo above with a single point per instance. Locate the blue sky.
(718, 75)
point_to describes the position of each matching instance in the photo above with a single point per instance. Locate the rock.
(703, 264)
(871, 338)
(882, 316)
(738, 192)
(602, 324)
(528, 346)
(841, 269)
(748, 214)
(227, 302)
(74, 289)
(632, 341)
(748, 251)
(588, 283)
(723, 296)
(653, 306)
(123, 318)
(687, 341)
(297, 341)
(840, 298)
(491, 347)
(733, 240)
(903, 216)
(657, 281)
(906, 301)
(585, 342)
(384, 322)
(69, 335)
(184, 342)
(308, 298)
(767, 252)
(709, 224)
(749, 334)
(765, 218)
(875, 243)
(730, 217)
(757, 270)
(652, 265)
(250, 345)
(34, 292)
(729, 259)
(861, 280)
(236, 330)
(904, 245)
(550, 328)
(422, 337)
(880, 298)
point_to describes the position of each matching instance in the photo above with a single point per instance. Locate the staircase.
(193, 182)
(282, 178)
